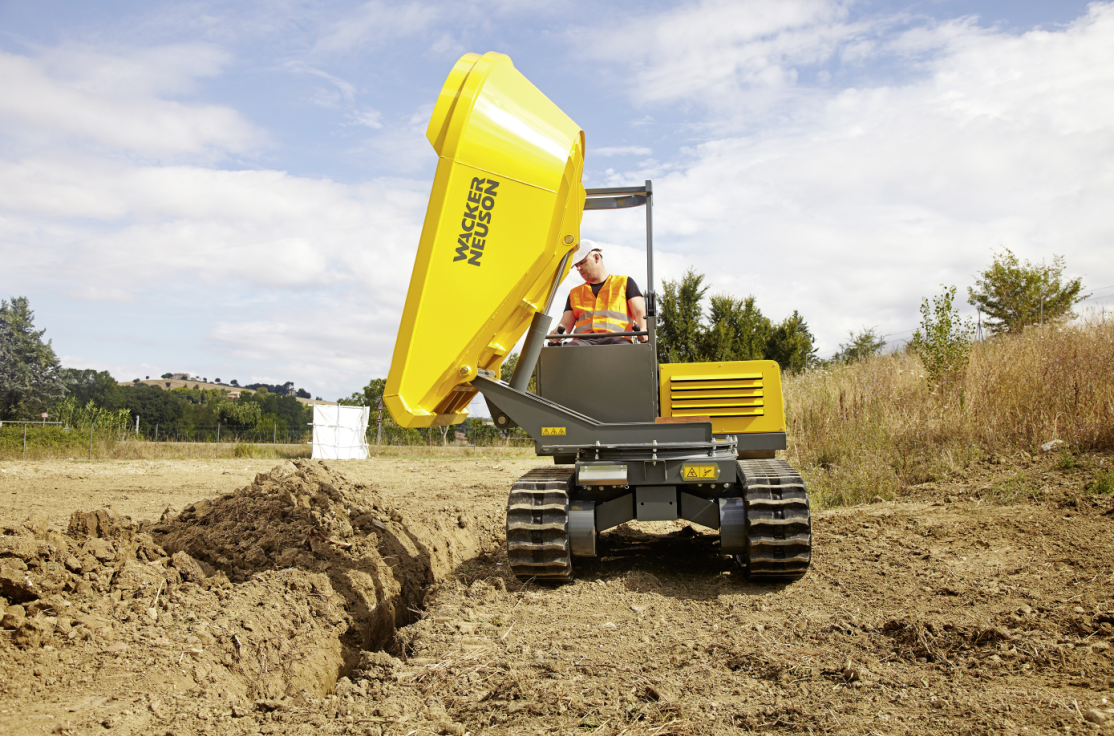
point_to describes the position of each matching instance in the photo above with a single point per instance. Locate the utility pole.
(137, 426)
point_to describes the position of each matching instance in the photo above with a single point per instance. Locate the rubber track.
(778, 524)
(538, 525)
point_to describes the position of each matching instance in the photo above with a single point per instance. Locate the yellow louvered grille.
(739, 397)
(693, 396)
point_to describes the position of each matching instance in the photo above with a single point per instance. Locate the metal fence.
(19, 439)
(213, 433)
(24, 425)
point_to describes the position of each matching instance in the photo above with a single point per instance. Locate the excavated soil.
(374, 598)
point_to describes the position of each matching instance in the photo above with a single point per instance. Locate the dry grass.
(107, 447)
(872, 428)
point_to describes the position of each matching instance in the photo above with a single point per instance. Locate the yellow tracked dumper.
(639, 441)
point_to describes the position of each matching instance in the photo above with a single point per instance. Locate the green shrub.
(1103, 484)
(943, 340)
(1068, 462)
(1013, 490)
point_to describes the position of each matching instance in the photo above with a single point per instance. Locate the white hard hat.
(587, 247)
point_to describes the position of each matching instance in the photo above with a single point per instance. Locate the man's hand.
(637, 309)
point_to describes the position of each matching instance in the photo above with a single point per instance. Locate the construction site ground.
(373, 597)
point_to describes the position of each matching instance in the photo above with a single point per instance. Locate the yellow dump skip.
(740, 397)
(505, 209)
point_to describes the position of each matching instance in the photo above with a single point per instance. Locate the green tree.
(943, 341)
(272, 425)
(506, 370)
(369, 395)
(679, 331)
(1013, 295)
(297, 415)
(792, 345)
(153, 405)
(862, 346)
(737, 330)
(239, 415)
(30, 374)
(479, 432)
(90, 385)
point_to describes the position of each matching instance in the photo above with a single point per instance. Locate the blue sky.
(237, 189)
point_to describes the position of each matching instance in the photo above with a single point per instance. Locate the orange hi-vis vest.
(603, 312)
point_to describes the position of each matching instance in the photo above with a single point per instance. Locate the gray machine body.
(630, 470)
(610, 383)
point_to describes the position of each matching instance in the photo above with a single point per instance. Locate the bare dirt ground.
(984, 604)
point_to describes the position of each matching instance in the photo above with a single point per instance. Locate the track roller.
(538, 525)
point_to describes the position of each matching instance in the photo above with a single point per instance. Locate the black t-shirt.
(632, 291)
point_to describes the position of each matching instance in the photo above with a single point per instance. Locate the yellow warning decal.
(552, 431)
(700, 472)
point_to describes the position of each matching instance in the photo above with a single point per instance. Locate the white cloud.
(114, 106)
(376, 22)
(137, 72)
(871, 198)
(708, 51)
(621, 151)
(399, 147)
(333, 340)
(102, 294)
(264, 228)
(339, 92)
(119, 371)
(367, 118)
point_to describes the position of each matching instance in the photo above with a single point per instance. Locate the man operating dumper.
(603, 303)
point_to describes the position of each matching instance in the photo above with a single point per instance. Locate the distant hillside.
(172, 383)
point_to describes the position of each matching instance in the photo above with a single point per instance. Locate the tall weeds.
(873, 428)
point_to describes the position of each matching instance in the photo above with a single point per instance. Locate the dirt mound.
(270, 592)
(303, 515)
